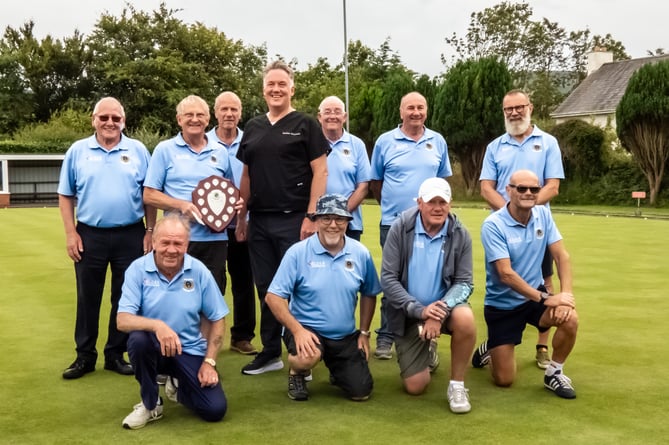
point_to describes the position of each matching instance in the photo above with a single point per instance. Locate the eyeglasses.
(329, 112)
(516, 108)
(339, 220)
(106, 117)
(525, 188)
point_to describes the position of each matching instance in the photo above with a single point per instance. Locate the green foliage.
(149, 136)
(150, 61)
(642, 122)
(543, 58)
(63, 128)
(467, 111)
(582, 149)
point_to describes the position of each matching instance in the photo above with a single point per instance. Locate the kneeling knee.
(214, 413)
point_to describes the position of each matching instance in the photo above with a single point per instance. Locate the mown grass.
(618, 367)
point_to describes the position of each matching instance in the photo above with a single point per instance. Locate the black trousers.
(243, 293)
(116, 248)
(269, 236)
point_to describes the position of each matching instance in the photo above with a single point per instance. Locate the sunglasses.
(106, 117)
(524, 188)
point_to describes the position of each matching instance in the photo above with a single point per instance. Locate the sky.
(308, 29)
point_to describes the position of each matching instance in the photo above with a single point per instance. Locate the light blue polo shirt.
(348, 166)
(425, 281)
(108, 185)
(403, 164)
(539, 153)
(504, 237)
(323, 290)
(236, 165)
(176, 169)
(179, 302)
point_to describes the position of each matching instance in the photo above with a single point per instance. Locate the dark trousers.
(213, 254)
(383, 334)
(116, 248)
(209, 403)
(243, 294)
(270, 235)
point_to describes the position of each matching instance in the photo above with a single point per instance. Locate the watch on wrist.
(310, 215)
(543, 296)
(210, 361)
(365, 333)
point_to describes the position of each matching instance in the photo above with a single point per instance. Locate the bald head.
(524, 177)
(228, 97)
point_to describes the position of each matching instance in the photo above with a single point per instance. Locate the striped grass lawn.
(618, 366)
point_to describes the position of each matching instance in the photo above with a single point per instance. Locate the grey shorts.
(413, 353)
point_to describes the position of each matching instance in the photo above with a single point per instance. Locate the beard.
(519, 127)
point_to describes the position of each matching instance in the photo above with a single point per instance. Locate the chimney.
(598, 57)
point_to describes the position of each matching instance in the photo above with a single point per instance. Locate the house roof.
(601, 91)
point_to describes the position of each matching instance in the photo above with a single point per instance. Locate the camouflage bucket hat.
(332, 204)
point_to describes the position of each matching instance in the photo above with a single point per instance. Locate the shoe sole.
(151, 419)
(564, 396)
(461, 410)
(241, 351)
(383, 355)
(74, 377)
(542, 365)
(268, 368)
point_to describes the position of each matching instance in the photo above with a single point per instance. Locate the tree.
(582, 146)
(642, 122)
(150, 61)
(467, 111)
(543, 58)
(42, 75)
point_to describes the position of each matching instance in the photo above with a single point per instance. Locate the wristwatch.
(210, 361)
(310, 215)
(543, 296)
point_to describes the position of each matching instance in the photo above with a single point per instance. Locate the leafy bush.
(58, 134)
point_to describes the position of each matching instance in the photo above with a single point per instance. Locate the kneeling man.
(314, 295)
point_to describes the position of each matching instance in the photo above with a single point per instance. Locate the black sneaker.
(297, 387)
(481, 356)
(560, 384)
(261, 364)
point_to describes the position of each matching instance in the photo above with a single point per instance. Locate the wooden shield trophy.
(215, 197)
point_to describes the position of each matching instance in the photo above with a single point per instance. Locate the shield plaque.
(215, 197)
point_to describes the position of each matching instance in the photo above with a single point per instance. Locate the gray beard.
(517, 128)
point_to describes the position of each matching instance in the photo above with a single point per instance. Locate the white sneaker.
(458, 399)
(140, 416)
(171, 388)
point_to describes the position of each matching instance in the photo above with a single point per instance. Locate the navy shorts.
(506, 326)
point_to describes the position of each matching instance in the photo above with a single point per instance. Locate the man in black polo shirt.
(285, 172)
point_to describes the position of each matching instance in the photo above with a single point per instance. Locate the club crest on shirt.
(536, 147)
(348, 265)
(214, 160)
(189, 284)
(428, 146)
(346, 152)
(540, 234)
(125, 159)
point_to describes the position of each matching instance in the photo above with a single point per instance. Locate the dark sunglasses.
(524, 188)
(106, 117)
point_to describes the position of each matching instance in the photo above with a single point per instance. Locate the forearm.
(66, 207)
(160, 200)
(367, 306)
(491, 195)
(215, 338)
(549, 191)
(358, 195)
(376, 186)
(127, 322)
(279, 307)
(150, 216)
(319, 180)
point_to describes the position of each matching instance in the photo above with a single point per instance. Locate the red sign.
(639, 195)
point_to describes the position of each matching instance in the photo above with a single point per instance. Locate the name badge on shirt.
(418, 244)
(94, 158)
(147, 282)
(515, 240)
(182, 156)
(189, 285)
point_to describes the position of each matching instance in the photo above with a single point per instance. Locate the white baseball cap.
(432, 187)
